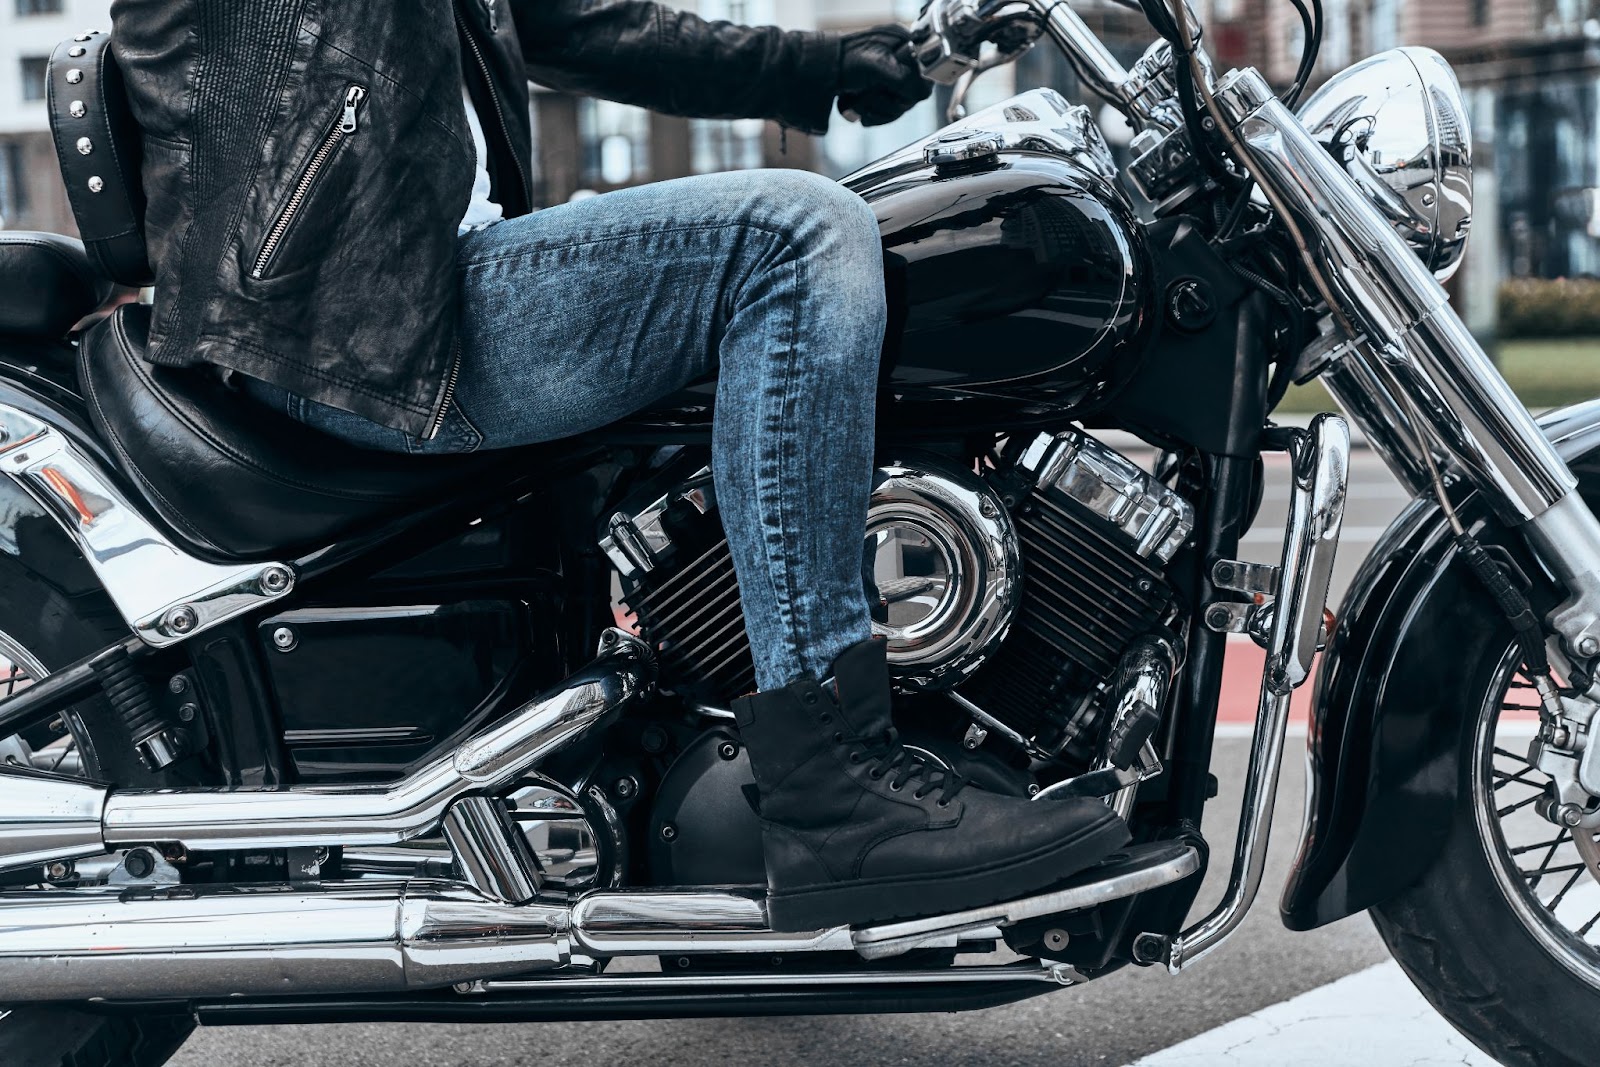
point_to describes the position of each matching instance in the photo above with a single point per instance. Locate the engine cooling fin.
(695, 612)
(1086, 595)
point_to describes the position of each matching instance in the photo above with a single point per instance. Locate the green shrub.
(1550, 307)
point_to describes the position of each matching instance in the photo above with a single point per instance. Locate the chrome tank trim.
(189, 941)
(162, 592)
(1316, 513)
(1039, 120)
(387, 815)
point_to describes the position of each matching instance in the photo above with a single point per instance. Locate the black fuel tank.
(1018, 275)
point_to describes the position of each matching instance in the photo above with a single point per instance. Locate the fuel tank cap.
(962, 146)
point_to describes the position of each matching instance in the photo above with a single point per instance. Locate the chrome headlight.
(1399, 124)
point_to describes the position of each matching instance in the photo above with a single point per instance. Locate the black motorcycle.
(298, 732)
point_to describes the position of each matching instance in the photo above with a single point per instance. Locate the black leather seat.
(228, 476)
(232, 477)
(46, 284)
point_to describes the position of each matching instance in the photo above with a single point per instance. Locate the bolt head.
(177, 684)
(187, 711)
(275, 580)
(1588, 645)
(139, 863)
(625, 788)
(1569, 814)
(669, 832)
(284, 639)
(728, 750)
(182, 619)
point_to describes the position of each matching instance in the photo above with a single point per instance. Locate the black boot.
(857, 829)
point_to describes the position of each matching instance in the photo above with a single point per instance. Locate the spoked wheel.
(38, 627)
(1502, 935)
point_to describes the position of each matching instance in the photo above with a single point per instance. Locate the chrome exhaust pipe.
(45, 817)
(181, 942)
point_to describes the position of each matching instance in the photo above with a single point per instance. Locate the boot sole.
(862, 903)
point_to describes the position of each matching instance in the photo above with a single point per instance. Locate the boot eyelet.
(874, 774)
(855, 757)
(826, 718)
(943, 804)
(837, 737)
(811, 698)
(895, 787)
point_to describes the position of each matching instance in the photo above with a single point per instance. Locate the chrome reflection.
(947, 566)
(164, 594)
(1399, 124)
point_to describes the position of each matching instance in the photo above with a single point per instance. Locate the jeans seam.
(786, 439)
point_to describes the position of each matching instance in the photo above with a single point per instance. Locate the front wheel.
(1502, 933)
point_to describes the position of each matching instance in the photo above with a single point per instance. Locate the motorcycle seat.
(46, 284)
(231, 477)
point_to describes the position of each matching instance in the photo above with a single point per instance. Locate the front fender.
(1416, 641)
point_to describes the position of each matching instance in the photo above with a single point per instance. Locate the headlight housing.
(1399, 124)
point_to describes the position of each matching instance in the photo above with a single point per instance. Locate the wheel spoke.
(1509, 808)
(1507, 778)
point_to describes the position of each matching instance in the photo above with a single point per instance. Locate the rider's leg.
(579, 315)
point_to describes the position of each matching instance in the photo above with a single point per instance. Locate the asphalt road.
(1108, 1022)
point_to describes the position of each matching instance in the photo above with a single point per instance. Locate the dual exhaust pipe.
(45, 817)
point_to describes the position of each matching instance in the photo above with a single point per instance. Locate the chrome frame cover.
(165, 594)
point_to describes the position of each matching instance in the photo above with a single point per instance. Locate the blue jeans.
(577, 315)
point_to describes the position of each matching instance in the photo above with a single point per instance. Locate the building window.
(38, 7)
(33, 68)
(716, 144)
(13, 190)
(616, 142)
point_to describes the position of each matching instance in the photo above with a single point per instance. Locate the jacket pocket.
(345, 124)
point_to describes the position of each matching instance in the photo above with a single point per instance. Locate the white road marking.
(1373, 1018)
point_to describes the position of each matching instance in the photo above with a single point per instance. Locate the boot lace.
(902, 764)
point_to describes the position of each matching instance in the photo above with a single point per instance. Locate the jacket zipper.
(346, 126)
(448, 394)
(494, 16)
(494, 98)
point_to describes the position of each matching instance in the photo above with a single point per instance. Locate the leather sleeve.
(639, 52)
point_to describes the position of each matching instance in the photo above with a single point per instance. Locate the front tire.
(41, 629)
(1502, 933)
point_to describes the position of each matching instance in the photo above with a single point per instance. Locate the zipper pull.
(494, 18)
(352, 100)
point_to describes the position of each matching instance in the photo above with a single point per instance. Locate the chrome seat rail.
(163, 593)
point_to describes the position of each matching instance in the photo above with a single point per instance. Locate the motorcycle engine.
(1017, 590)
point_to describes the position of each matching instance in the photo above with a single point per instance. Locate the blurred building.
(31, 194)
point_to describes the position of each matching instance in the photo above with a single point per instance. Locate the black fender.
(1396, 692)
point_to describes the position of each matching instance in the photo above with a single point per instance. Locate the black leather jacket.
(307, 162)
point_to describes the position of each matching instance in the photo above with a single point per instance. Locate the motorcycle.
(295, 732)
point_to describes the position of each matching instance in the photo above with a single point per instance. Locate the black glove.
(879, 79)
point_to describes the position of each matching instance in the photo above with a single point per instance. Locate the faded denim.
(577, 315)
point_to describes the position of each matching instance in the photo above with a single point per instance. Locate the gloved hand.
(879, 79)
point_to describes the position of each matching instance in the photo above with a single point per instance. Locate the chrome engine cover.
(947, 567)
(1114, 488)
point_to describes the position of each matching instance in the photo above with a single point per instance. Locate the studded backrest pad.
(98, 145)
